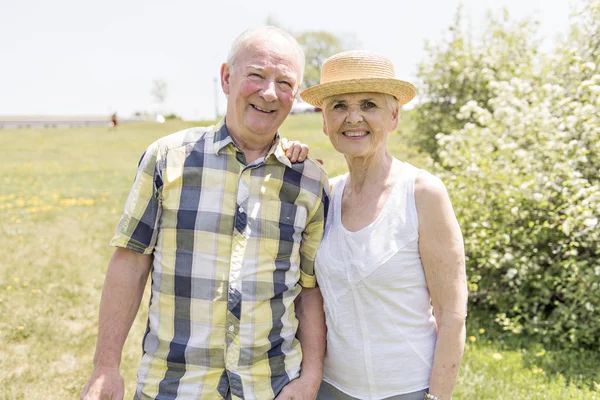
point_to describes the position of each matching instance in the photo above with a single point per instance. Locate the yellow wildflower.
(497, 356)
(482, 331)
(537, 370)
(472, 339)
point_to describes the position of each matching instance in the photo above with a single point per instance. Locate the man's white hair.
(264, 33)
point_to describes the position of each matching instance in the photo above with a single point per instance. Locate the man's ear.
(297, 90)
(324, 127)
(225, 75)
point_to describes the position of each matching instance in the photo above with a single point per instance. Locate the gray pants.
(329, 392)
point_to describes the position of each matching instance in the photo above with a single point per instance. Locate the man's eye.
(339, 106)
(369, 104)
(285, 83)
(254, 75)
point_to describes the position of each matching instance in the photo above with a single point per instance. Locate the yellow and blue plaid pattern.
(231, 245)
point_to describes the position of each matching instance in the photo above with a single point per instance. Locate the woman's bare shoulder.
(429, 186)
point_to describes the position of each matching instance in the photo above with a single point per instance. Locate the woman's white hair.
(264, 33)
(392, 102)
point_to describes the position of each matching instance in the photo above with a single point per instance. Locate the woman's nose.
(354, 115)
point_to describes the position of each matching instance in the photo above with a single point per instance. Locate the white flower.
(590, 222)
(588, 65)
(511, 273)
(571, 121)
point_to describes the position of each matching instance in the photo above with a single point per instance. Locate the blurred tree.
(317, 46)
(460, 69)
(159, 91)
(272, 21)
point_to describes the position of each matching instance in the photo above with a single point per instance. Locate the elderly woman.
(391, 263)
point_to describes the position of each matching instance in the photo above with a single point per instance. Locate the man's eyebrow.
(289, 76)
(286, 75)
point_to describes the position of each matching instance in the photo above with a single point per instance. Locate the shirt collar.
(222, 139)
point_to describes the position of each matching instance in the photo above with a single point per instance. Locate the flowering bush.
(516, 134)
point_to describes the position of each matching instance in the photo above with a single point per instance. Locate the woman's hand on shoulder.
(294, 150)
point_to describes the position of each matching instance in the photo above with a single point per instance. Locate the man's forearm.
(311, 333)
(121, 296)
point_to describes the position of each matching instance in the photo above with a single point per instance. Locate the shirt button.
(231, 328)
(241, 209)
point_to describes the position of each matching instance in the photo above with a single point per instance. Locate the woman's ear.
(394, 120)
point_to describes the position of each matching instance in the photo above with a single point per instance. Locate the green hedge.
(516, 137)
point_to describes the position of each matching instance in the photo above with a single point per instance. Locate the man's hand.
(294, 150)
(104, 384)
(300, 389)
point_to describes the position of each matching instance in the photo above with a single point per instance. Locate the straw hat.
(358, 71)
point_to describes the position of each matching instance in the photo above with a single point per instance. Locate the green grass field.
(61, 194)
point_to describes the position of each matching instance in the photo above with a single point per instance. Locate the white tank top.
(381, 333)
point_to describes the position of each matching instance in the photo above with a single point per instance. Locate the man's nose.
(269, 93)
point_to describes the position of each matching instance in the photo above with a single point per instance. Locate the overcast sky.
(68, 57)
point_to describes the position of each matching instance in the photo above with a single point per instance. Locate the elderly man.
(229, 229)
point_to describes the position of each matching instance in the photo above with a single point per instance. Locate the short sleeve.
(138, 227)
(312, 235)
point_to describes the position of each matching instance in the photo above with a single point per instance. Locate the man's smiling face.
(261, 86)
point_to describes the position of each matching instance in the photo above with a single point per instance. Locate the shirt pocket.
(284, 224)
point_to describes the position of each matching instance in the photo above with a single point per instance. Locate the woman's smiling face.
(358, 123)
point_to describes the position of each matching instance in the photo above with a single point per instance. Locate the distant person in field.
(228, 228)
(114, 121)
(391, 250)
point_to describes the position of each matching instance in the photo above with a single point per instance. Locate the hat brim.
(403, 91)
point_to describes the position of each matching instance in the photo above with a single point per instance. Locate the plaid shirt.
(231, 245)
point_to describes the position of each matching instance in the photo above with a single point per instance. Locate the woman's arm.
(442, 253)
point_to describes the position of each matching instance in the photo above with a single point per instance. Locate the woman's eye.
(369, 104)
(285, 83)
(339, 106)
